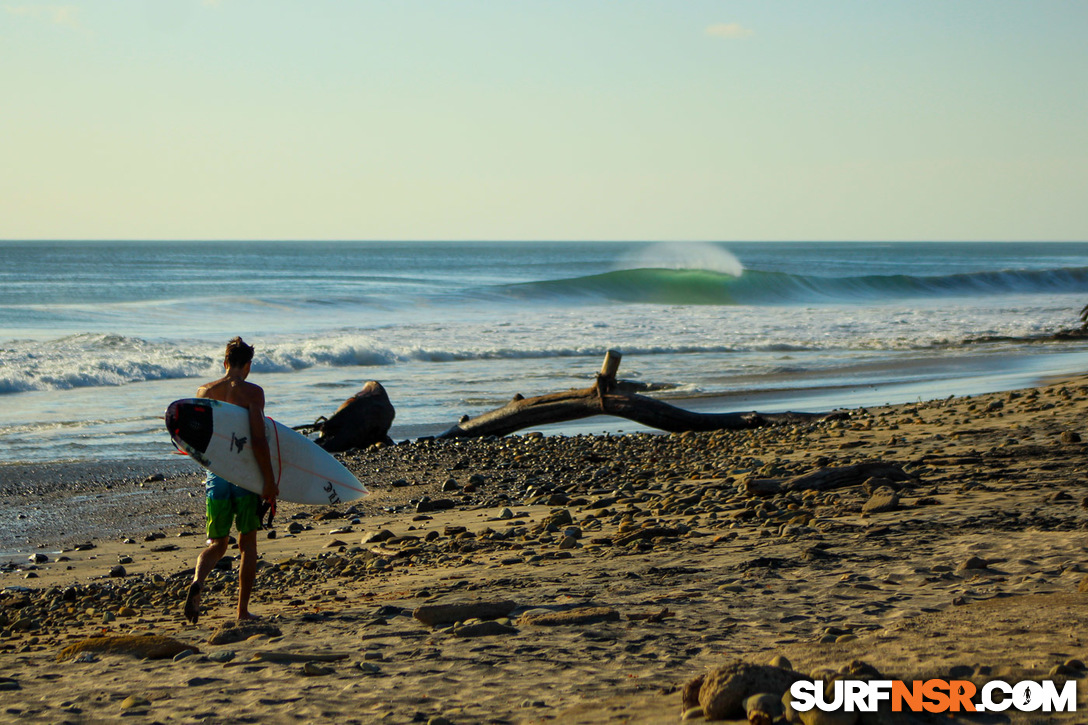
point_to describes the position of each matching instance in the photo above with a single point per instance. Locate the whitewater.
(96, 338)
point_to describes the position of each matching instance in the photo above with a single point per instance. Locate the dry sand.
(974, 573)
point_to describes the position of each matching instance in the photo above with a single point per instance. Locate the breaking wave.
(753, 287)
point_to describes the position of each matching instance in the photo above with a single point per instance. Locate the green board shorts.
(228, 504)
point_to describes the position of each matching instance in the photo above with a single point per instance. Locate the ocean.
(96, 338)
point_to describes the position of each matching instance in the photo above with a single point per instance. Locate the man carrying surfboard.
(229, 504)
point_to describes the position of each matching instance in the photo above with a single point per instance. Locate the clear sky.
(545, 120)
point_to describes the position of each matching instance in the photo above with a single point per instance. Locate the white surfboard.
(216, 435)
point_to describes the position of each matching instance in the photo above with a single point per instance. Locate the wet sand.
(616, 569)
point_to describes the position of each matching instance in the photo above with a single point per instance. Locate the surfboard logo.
(334, 497)
(237, 444)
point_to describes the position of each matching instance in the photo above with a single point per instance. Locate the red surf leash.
(279, 477)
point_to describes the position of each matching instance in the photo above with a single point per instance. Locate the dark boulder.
(361, 421)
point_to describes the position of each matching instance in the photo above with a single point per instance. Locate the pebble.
(135, 702)
(483, 629)
(764, 707)
(312, 669)
(568, 542)
(1063, 670)
(974, 562)
(376, 537)
(882, 500)
(222, 656)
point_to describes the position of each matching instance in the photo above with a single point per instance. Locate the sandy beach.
(604, 573)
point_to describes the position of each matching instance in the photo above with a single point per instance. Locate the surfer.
(227, 503)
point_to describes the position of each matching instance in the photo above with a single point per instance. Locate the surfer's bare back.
(228, 504)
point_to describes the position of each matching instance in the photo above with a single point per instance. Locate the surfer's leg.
(210, 557)
(247, 572)
(220, 517)
(192, 603)
(204, 564)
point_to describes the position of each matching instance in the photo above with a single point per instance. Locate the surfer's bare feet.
(247, 617)
(192, 603)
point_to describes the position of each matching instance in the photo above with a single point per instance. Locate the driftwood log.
(603, 398)
(361, 421)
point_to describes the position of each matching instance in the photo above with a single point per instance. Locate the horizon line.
(340, 240)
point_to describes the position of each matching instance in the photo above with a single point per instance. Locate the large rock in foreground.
(721, 692)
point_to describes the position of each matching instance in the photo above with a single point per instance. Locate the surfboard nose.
(171, 416)
(189, 422)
